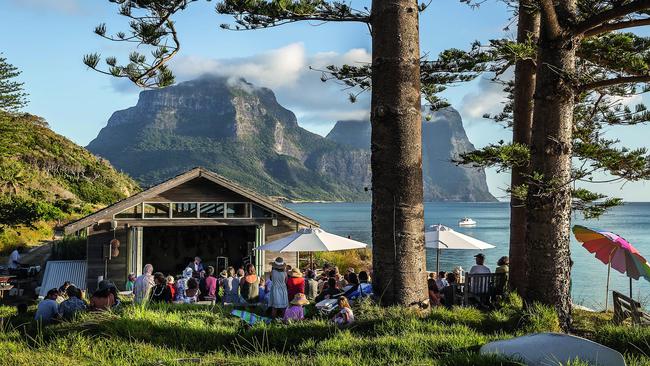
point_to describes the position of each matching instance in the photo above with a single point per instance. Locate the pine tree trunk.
(549, 202)
(397, 193)
(524, 89)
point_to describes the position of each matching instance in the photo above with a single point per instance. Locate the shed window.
(134, 212)
(211, 210)
(184, 210)
(156, 210)
(261, 213)
(238, 210)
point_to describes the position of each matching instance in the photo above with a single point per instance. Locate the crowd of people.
(282, 293)
(443, 287)
(65, 302)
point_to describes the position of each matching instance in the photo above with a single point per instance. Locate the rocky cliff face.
(443, 138)
(242, 132)
(232, 128)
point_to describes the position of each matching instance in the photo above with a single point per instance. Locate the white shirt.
(479, 269)
(14, 259)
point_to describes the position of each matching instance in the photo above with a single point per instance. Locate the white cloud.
(286, 71)
(489, 98)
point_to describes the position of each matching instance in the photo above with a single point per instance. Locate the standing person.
(172, 288)
(197, 266)
(48, 309)
(295, 284)
(311, 285)
(249, 285)
(479, 268)
(210, 284)
(345, 316)
(160, 292)
(14, 258)
(231, 287)
(279, 296)
(74, 304)
(130, 281)
(295, 311)
(143, 284)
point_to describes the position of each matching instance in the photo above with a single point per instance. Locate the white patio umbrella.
(312, 240)
(442, 237)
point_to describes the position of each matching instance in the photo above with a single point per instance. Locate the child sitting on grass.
(345, 316)
(295, 311)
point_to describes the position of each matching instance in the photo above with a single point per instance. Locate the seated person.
(172, 288)
(210, 284)
(345, 316)
(450, 292)
(479, 268)
(331, 291)
(434, 293)
(352, 290)
(160, 291)
(74, 304)
(191, 292)
(295, 311)
(364, 284)
(105, 298)
(48, 309)
(441, 280)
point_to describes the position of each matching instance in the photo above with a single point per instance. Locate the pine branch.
(608, 27)
(615, 12)
(600, 84)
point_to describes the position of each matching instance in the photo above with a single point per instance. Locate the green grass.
(185, 334)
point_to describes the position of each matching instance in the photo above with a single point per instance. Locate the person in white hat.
(279, 294)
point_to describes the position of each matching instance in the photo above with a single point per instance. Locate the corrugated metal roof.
(57, 272)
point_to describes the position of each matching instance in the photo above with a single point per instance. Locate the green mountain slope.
(46, 179)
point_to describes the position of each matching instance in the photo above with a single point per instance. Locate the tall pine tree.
(12, 95)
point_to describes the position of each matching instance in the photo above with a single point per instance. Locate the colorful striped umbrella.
(615, 251)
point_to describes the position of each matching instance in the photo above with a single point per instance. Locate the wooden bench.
(483, 288)
(625, 307)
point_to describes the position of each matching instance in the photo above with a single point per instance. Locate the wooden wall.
(198, 190)
(100, 236)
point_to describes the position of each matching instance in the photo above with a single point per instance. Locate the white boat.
(466, 222)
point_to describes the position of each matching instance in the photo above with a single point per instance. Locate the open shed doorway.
(171, 249)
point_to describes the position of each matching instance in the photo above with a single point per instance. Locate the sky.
(47, 39)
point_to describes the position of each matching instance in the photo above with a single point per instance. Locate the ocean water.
(631, 221)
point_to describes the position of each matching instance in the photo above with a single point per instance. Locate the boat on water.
(466, 222)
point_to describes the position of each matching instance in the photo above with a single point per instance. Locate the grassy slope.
(163, 335)
(37, 164)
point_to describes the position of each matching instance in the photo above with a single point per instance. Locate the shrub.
(70, 248)
(632, 339)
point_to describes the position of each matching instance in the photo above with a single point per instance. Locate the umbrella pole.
(630, 287)
(609, 267)
(311, 260)
(438, 260)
